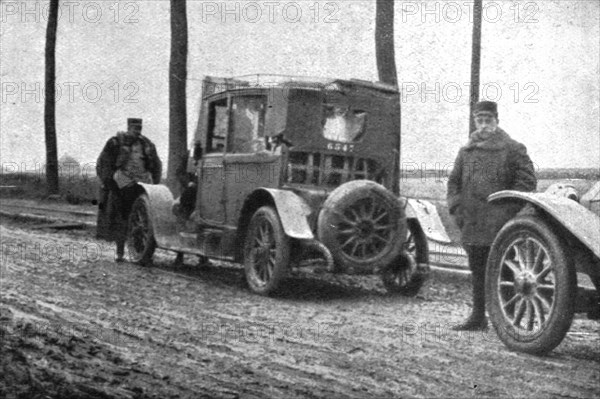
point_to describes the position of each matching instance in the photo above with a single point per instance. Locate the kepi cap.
(486, 107)
(134, 122)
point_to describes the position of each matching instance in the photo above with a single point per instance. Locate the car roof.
(214, 85)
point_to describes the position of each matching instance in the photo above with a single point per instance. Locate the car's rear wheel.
(531, 286)
(140, 234)
(266, 252)
(363, 225)
(403, 275)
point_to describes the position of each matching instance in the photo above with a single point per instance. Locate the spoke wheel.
(363, 225)
(266, 252)
(365, 229)
(140, 235)
(530, 285)
(402, 277)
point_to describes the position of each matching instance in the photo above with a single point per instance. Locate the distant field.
(434, 190)
(566, 173)
(432, 184)
(83, 190)
(542, 174)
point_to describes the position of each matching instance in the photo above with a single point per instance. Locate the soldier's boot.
(178, 262)
(120, 252)
(476, 320)
(203, 261)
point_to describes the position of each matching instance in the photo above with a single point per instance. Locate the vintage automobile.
(535, 263)
(289, 171)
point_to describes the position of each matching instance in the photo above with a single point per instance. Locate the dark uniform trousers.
(127, 196)
(478, 255)
(120, 210)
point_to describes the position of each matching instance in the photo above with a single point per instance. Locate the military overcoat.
(111, 223)
(482, 168)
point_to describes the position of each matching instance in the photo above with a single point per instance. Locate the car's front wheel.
(531, 286)
(140, 234)
(266, 252)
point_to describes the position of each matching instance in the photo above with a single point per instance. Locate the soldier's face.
(135, 129)
(486, 122)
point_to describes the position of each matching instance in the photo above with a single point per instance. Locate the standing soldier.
(127, 158)
(491, 161)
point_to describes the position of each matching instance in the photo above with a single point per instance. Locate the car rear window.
(343, 124)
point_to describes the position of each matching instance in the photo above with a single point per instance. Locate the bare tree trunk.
(384, 42)
(475, 61)
(177, 96)
(386, 66)
(50, 101)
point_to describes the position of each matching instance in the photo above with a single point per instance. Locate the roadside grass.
(72, 189)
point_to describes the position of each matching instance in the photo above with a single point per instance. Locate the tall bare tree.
(50, 101)
(177, 95)
(475, 61)
(384, 42)
(386, 63)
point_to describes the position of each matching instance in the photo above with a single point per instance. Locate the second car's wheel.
(531, 286)
(266, 252)
(403, 275)
(363, 225)
(140, 234)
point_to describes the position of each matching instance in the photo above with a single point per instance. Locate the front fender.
(293, 212)
(581, 222)
(164, 223)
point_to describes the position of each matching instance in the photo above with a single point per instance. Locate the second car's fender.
(428, 218)
(581, 222)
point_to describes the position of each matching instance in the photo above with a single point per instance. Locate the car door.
(248, 164)
(211, 167)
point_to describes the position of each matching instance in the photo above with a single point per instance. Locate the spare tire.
(363, 225)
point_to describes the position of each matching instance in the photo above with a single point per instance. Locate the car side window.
(218, 121)
(247, 124)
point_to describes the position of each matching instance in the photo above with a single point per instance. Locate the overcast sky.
(540, 61)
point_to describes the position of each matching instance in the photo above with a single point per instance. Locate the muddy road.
(75, 324)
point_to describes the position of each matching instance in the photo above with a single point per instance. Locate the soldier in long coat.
(127, 158)
(490, 162)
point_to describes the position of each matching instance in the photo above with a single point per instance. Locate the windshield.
(342, 124)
